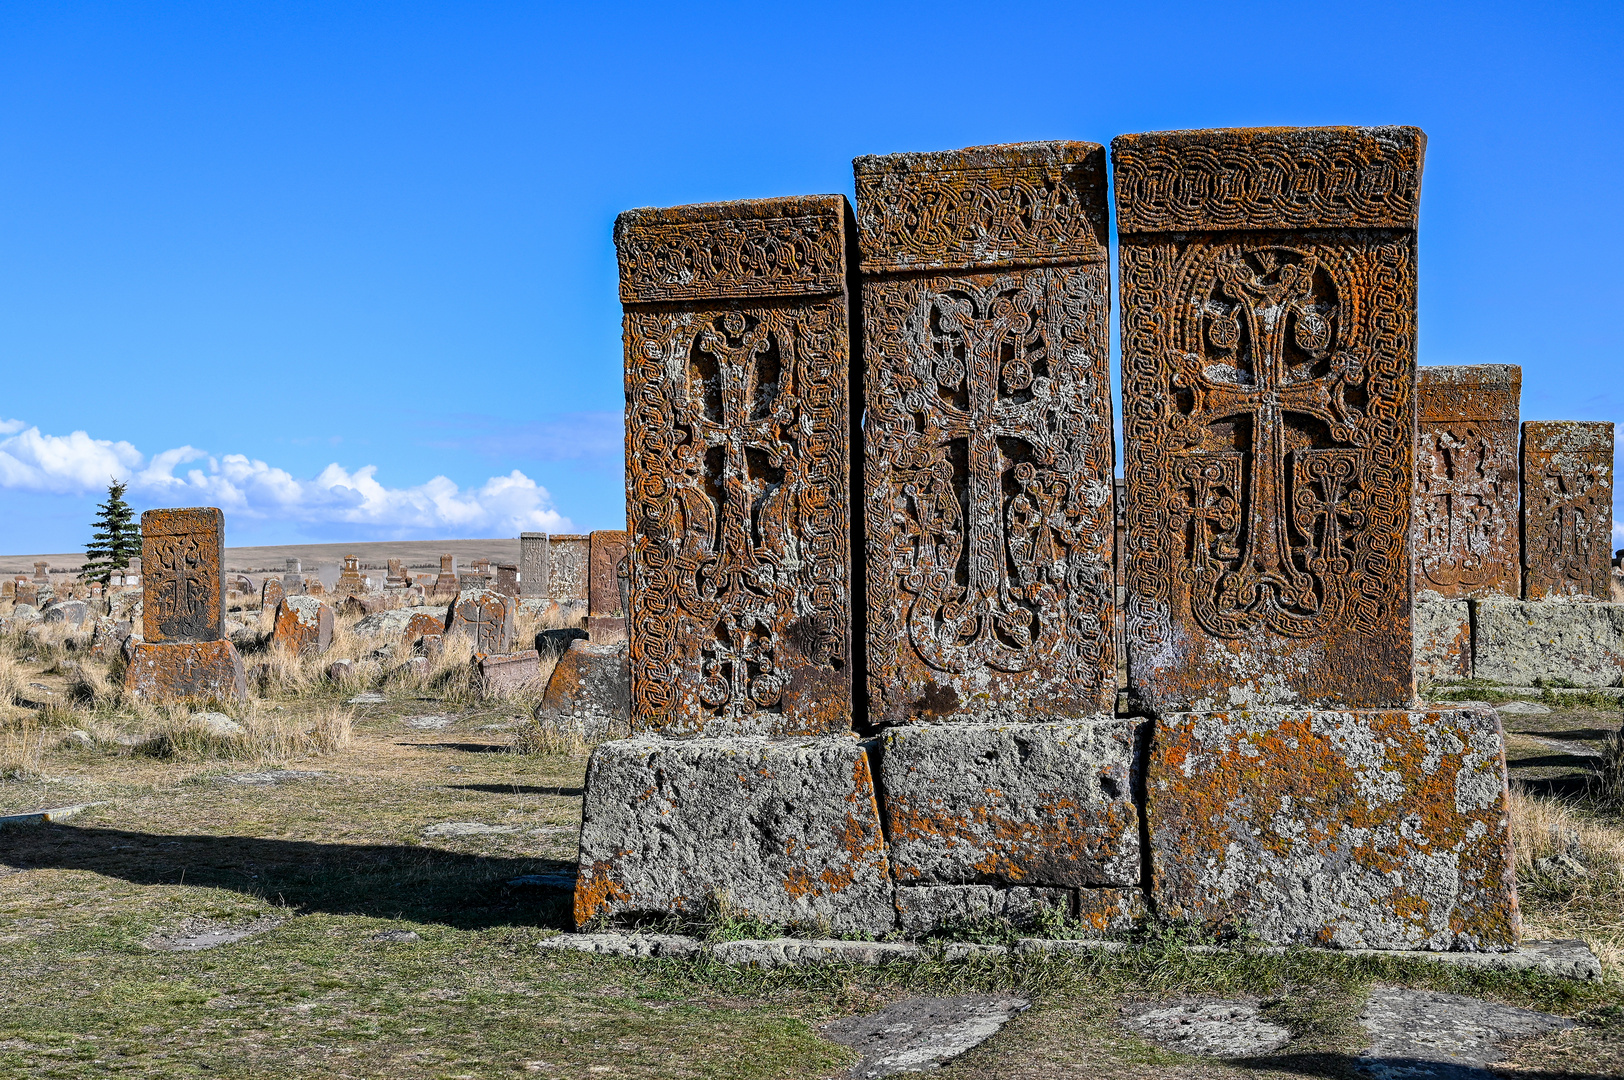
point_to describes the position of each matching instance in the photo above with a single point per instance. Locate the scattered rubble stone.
(274, 776)
(397, 937)
(195, 935)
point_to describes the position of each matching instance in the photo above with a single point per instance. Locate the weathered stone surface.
(509, 672)
(487, 617)
(351, 582)
(1028, 804)
(186, 670)
(569, 560)
(1268, 284)
(506, 581)
(8, 589)
(1467, 533)
(786, 831)
(1111, 911)
(609, 579)
(663, 946)
(533, 564)
(1519, 642)
(1443, 638)
(918, 1034)
(1567, 506)
(590, 691)
(42, 572)
(1386, 829)
(987, 433)
(738, 474)
(26, 592)
(924, 909)
(554, 643)
(446, 582)
(606, 630)
(181, 559)
(304, 626)
(71, 612)
(1426, 1033)
(271, 594)
(1207, 1028)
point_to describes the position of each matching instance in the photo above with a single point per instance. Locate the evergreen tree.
(116, 539)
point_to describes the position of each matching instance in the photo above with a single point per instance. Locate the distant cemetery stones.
(1567, 495)
(42, 573)
(304, 626)
(506, 580)
(351, 581)
(446, 583)
(271, 593)
(182, 655)
(533, 578)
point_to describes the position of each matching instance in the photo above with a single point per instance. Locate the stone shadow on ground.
(1554, 787)
(377, 880)
(1396, 1068)
(519, 789)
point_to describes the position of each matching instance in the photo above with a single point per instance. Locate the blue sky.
(346, 269)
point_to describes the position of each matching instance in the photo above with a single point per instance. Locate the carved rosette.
(737, 437)
(987, 434)
(1466, 525)
(1567, 505)
(1268, 290)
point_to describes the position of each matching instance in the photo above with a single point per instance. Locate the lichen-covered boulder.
(589, 691)
(304, 626)
(1521, 642)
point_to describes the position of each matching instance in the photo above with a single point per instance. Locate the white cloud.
(239, 485)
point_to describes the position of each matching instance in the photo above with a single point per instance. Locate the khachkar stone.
(987, 433)
(351, 582)
(1268, 369)
(1466, 528)
(738, 433)
(183, 655)
(533, 564)
(486, 616)
(738, 429)
(608, 586)
(1567, 496)
(568, 562)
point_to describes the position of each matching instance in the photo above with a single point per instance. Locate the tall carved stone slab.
(607, 590)
(1268, 373)
(737, 332)
(568, 567)
(181, 553)
(1466, 527)
(1567, 491)
(533, 564)
(987, 433)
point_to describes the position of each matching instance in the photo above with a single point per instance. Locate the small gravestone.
(42, 572)
(533, 564)
(508, 672)
(608, 586)
(446, 583)
(351, 582)
(1567, 505)
(506, 581)
(183, 655)
(486, 616)
(304, 626)
(271, 594)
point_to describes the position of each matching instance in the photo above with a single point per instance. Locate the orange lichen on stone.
(1386, 829)
(197, 671)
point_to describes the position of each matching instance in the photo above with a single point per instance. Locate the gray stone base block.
(1111, 911)
(590, 691)
(924, 909)
(1380, 829)
(786, 832)
(1046, 804)
(1520, 641)
(1443, 638)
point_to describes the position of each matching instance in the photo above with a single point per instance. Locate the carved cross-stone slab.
(568, 561)
(1268, 373)
(987, 433)
(1466, 528)
(738, 466)
(608, 588)
(533, 564)
(486, 616)
(1567, 506)
(181, 552)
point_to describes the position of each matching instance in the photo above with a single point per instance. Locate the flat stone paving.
(921, 1033)
(1424, 1033)
(1207, 1028)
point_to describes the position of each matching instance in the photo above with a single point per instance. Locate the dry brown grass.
(22, 744)
(1556, 904)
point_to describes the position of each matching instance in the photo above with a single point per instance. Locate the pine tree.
(116, 539)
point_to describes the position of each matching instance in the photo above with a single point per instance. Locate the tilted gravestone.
(304, 626)
(1466, 528)
(183, 655)
(1268, 372)
(989, 529)
(271, 594)
(737, 336)
(1567, 496)
(533, 564)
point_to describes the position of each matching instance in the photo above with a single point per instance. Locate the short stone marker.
(183, 611)
(506, 581)
(272, 593)
(351, 582)
(304, 626)
(487, 617)
(446, 582)
(42, 572)
(987, 420)
(1567, 497)
(508, 672)
(918, 1034)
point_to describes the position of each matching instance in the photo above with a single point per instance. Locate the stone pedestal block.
(1030, 804)
(1375, 829)
(505, 674)
(606, 629)
(304, 626)
(787, 832)
(1521, 642)
(1443, 638)
(590, 691)
(186, 670)
(924, 909)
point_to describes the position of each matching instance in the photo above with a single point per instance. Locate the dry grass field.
(385, 864)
